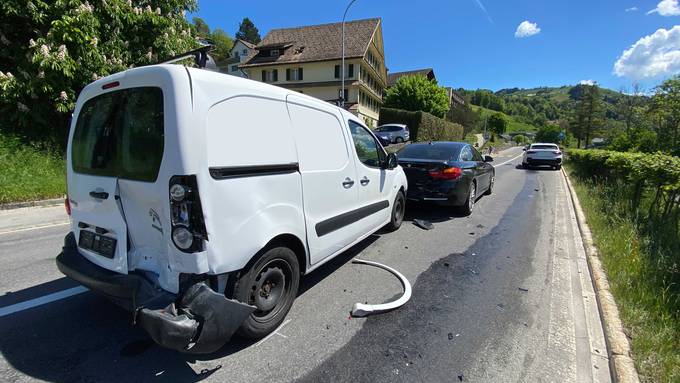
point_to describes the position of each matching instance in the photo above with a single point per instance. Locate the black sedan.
(448, 173)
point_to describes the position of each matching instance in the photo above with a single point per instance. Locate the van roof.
(216, 80)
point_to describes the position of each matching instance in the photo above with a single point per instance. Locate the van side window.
(368, 150)
(319, 139)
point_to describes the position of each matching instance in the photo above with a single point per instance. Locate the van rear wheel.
(398, 210)
(271, 285)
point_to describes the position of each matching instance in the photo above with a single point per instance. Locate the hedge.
(422, 125)
(640, 171)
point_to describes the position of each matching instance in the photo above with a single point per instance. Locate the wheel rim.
(399, 210)
(271, 289)
(473, 196)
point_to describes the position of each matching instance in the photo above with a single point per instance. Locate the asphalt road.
(501, 296)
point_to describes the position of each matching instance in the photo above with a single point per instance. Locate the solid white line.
(49, 298)
(510, 160)
(34, 228)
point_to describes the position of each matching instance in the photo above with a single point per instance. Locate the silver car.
(393, 132)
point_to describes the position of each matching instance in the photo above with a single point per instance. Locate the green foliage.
(520, 139)
(201, 27)
(665, 109)
(222, 44)
(247, 31)
(548, 133)
(28, 173)
(514, 125)
(497, 123)
(465, 116)
(51, 50)
(422, 126)
(416, 93)
(588, 114)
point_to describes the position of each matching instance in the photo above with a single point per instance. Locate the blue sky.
(470, 48)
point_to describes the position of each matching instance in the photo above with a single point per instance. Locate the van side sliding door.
(329, 179)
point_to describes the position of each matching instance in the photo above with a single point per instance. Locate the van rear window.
(120, 134)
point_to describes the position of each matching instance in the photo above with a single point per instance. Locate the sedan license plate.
(100, 244)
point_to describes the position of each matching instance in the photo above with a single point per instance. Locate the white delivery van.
(198, 199)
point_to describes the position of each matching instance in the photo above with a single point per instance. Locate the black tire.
(398, 209)
(493, 180)
(558, 167)
(398, 140)
(276, 276)
(469, 205)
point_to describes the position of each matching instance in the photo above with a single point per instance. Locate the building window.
(245, 52)
(337, 71)
(274, 53)
(236, 55)
(294, 74)
(346, 95)
(234, 68)
(270, 75)
(348, 74)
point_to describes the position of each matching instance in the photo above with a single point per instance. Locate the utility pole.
(342, 91)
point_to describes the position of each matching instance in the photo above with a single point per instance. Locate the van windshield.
(120, 134)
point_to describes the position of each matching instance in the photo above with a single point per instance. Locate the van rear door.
(118, 137)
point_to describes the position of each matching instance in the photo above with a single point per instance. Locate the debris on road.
(500, 307)
(472, 233)
(523, 289)
(362, 310)
(423, 224)
(450, 336)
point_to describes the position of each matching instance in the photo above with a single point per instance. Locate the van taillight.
(446, 173)
(186, 214)
(67, 205)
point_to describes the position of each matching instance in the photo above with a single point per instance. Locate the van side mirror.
(391, 161)
(488, 159)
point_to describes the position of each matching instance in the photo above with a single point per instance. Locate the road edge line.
(621, 363)
(38, 203)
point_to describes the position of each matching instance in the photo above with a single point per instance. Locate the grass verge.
(28, 173)
(643, 278)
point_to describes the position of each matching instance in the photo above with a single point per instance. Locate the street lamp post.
(342, 91)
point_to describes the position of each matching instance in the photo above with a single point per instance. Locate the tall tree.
(498, 123)
(52, 49)
(222, 44)
(418, 93)
(589, 113)
(201, 27)
(665, 110)
(247, 31)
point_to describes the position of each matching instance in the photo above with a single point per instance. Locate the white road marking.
(49, 298)
(510, 160)
(34, 228)
(276, 332)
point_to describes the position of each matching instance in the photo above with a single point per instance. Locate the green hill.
(514, 125)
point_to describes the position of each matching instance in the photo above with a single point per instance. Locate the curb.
(620, 361)
(40, 203)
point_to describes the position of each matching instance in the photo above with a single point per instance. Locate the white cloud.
(587, 82)
(632, 9)
(526, 29)
(652, 56)
(666, 8)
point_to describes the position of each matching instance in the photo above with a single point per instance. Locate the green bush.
(422, 126)
(520, 139)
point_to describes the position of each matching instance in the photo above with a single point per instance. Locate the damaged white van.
(198, 199)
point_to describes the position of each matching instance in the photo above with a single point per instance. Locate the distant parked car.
(393, 132)
(542, 154)
(448, 173)
(383, 141)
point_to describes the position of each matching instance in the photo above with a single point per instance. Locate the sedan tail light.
(446, 173)
(557, 152)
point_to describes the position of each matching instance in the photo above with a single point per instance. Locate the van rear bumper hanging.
(198, 321)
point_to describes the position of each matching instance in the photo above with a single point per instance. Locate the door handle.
(364, 181)
(348, 183)
(99, 195)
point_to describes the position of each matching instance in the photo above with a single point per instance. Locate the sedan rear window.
(120, 134)
(430, 152)
(549, 147)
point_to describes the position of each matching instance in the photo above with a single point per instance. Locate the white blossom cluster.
(85, 7)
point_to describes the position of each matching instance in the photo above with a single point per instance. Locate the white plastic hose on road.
(362, 310)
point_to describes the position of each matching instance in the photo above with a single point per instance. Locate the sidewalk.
(32, 217)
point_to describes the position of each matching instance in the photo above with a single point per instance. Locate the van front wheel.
(271, 285)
